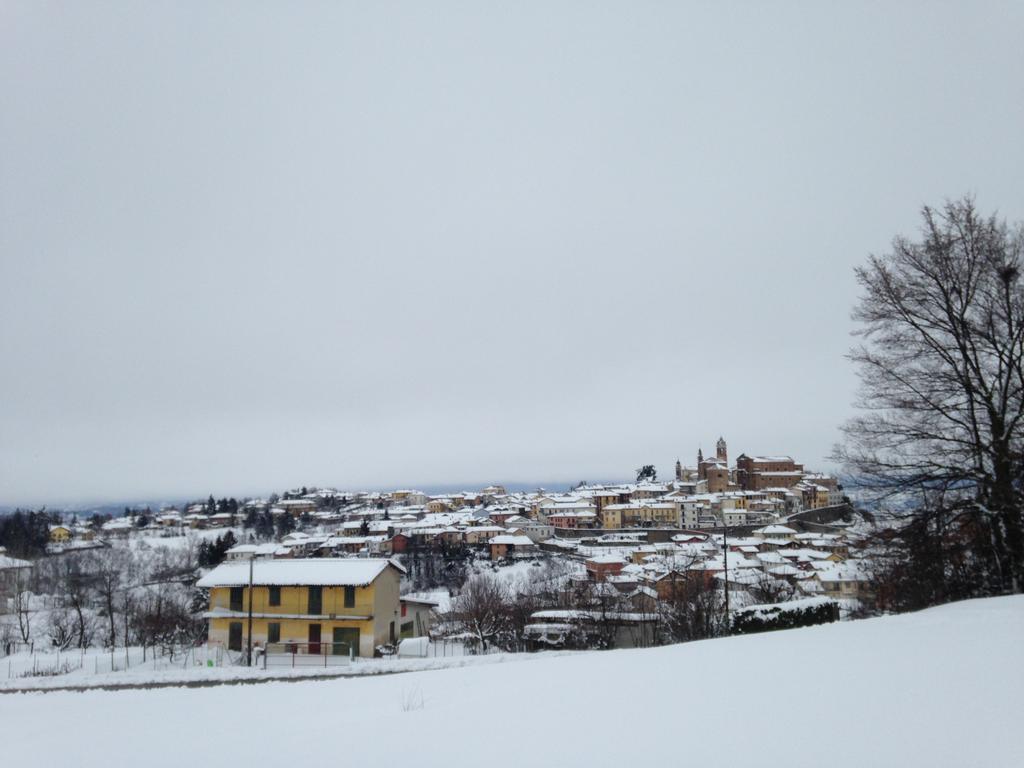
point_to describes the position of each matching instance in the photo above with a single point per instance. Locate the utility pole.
(248, 654)
(725, 556)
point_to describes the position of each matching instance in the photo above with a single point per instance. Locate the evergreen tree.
(203, 554)
(265, 525)
(647, 472)
(285, 525)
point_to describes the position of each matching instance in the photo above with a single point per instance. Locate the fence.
(452, 647)
(11, 647)
(94, 661)
(323, 654)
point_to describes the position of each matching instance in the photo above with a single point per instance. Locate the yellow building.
(611, 516)
(338, 606)
(643, 514)
(60, 534)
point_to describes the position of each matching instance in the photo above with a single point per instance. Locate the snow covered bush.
(799, 613)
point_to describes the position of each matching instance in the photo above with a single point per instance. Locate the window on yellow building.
(316, 596)
(275, 596)
(274, 632)
(350, 597)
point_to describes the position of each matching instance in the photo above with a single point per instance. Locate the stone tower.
(679, 470)
(721, 452)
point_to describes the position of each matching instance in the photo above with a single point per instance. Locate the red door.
(314, 639)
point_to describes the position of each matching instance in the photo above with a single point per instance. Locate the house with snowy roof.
(599, 567)
(845, 580)
(776, 532)
(246, 551)
(535, 529)
(320, 606)
(60, 534)
(11, 568)
(509, 545)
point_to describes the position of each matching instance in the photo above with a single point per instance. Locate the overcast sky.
(247, 246)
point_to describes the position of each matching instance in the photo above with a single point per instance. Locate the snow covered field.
(163, 675)
(938, 688)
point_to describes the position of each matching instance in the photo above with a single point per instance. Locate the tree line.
(25, 534)
(939, 441)
(106, 597)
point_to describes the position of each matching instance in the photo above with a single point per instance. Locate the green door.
(344, 639)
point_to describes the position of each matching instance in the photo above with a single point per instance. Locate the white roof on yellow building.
(322, 571)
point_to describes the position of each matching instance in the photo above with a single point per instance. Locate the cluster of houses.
(628, 582)
(756, 491)
(306, 601)
(775, 558)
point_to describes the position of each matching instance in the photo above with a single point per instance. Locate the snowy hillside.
(938, 688)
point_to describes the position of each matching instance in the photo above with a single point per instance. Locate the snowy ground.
(938, 688)
(97, 668)
(165, 674)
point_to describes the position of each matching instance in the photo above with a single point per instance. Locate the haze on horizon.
(374, 245)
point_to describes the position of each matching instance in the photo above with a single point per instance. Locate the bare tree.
(111, 570)
(74, 585)
(691, 607)
(61, 629)
(768, 589)
(481, 608)
(23, 609)
(942, 383)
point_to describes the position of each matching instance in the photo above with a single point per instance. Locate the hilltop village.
(320, 575)
(757, 490)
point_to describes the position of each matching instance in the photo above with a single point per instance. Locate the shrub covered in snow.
(798, 613)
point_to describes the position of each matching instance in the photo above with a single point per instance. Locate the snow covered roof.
(559, 614)
(686, 537)
(643, 504)
(118, 523)
(843, 572)
(420, 601)
(325, 571)
(268, 548)
(606, 559)
(8, 563)
(783, 570)
(775, 530)
(515, 541)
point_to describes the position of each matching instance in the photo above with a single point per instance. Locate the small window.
(236, 598)
(275, 596)
(316, 600)
(274, 632)
(350, 597)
